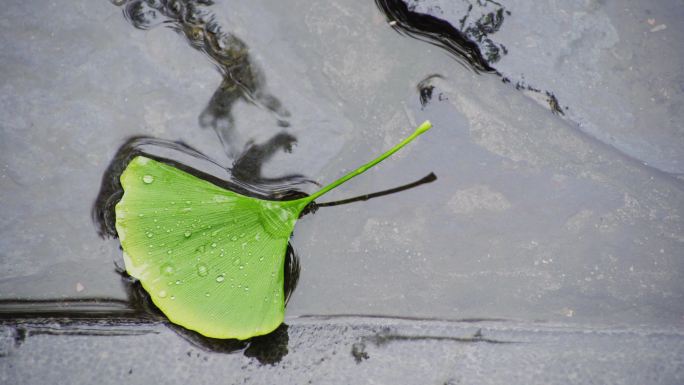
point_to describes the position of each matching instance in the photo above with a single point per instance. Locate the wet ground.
(555, 222)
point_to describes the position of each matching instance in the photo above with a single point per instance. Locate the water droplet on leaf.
(202, 270)
(167, 269)
(147, 179)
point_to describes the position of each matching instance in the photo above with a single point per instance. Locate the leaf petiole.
(426, 125)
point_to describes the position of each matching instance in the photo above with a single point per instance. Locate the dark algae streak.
(469, 40)
(435, 31)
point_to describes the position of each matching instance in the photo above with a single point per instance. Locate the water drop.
(179, 282)
(173, 297)
(257, 237)
(236, 261)
(162, 294)
(207, 294)
(202, 270)
(261, 258)
(187, 234)
(220, 278)
(167, 269)
(213, 244)
(147, 179)
(242, 267)
(234, 238)
(242, 235)
(141, 215)
(246, 288)
(150, 234)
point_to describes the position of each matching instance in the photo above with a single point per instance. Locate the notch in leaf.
(211, 259)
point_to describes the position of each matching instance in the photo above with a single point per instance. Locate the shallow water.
(534, 217)
(529, 219)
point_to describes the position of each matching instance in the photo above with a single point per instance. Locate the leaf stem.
(426, 125)
(431, 177)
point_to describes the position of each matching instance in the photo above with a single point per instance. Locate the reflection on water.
(242, 79)
(247, 167)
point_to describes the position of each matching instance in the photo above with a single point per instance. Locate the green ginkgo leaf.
(211, 259)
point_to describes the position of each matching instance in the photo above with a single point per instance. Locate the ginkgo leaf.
(211, 259)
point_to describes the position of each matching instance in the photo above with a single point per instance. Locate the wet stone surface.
(354, 350)
(538, 217)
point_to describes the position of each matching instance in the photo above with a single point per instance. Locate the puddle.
(540, 239)
(531, 218)
(590, 61)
